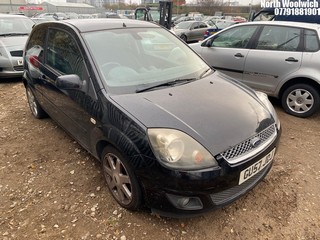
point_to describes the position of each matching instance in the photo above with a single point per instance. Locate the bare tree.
(211, 6)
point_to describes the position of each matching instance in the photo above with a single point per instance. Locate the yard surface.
(51, 188)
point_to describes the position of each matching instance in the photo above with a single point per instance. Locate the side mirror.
(207, 43)
(68, 82)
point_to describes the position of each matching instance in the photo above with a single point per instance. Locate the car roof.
(12, 16)
(283, 23)
(97, 24)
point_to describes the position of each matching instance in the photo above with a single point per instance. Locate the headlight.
(178, 150)
(264, 99)
(3, 52)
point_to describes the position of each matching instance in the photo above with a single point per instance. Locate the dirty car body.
(171, 133)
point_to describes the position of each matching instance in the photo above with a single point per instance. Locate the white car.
(14, 31)
(278, 58)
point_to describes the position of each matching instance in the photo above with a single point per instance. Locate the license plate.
(252, 170)
(20, 62)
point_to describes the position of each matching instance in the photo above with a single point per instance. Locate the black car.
(171, 133)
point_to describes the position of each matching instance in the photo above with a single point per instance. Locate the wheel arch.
(184, 37)
(123, 144)
(298, 80)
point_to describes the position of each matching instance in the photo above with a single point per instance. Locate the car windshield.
(155, 14)
(137, 59)
(15, 26)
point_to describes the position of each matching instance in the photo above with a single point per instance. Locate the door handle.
(239, 55)
(291, 59)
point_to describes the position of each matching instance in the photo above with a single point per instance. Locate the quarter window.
(279, 38)
(311, 41)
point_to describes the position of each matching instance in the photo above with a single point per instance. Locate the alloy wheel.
(300, 100)
(118, 179)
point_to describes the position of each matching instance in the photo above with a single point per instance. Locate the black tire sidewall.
(184, 38)
(314, 92)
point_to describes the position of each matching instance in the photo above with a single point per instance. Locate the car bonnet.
(217, 113)
(13, 41)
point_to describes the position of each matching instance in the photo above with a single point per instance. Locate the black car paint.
(95, 118)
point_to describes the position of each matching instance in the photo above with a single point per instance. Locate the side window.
(195, 26)
(234, 38)
(63, 53)
(311, 41)
(279, 38)
(35, 46)
(203, 25)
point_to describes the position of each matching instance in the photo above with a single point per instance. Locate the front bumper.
(10, 68)
(181, 194)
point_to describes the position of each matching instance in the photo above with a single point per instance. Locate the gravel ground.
(51, 188)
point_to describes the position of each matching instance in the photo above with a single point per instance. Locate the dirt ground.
(51, 188)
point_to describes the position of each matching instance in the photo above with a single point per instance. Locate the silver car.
(14, 31)
(190, 31)
(278, 58)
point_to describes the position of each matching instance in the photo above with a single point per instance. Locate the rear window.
(279, 38)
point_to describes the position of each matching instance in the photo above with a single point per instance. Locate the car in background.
(54, 16)
(190, 31)
(14, 31)
(278, 58)
(182, 18)
(120, 87)
(216, 26)
(71, 15)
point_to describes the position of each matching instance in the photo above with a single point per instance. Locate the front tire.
(35, 108)
(300, 100)
(120, 178)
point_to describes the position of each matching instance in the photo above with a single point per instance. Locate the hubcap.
(32, 102)
(300, 101)
(117, 178)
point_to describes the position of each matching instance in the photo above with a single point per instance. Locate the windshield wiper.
(165, 84)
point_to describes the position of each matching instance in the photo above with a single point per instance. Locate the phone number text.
(297, 11)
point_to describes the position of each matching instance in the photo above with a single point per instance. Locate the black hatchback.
(172, 134)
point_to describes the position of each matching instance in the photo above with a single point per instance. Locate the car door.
(70, 108)
(276, 54)
(202, 28)
(194, 31)
(227, 50)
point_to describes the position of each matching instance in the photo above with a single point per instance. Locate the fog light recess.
(185, 203)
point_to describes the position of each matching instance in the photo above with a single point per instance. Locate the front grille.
(18, 68)
(16, 53)
(229, 195)
(246, 146)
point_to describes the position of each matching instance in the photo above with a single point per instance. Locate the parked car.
(278, 58)
(14, 31)
(216, 26)
(182, 19)
(190, 31)
(120, 87)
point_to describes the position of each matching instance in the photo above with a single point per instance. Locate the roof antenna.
(124, 25)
